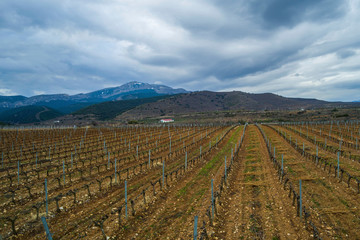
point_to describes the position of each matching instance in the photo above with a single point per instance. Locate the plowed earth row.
(351, 166)
(75, 218)
(335, 207)
(171, 216)
(255, 206)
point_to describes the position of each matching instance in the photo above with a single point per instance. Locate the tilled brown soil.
(77, 220)
(351, 166)
(172, 215)
(336, 207)
(255, 206)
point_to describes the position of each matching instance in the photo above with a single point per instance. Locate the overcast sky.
(296, 48)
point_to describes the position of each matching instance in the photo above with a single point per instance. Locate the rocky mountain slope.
(64, 102)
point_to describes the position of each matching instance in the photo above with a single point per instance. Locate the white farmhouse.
(169, 120)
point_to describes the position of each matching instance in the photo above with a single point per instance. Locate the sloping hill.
(70, 106)
(7, 102)
(28, 114)
(65, 107)
(206, 101)
(12, 99)
(109, 110)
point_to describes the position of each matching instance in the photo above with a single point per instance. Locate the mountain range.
(22, 110)
(136, 100)
(69, 103)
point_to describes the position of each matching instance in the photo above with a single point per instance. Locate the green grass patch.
(249, 156)
(220, 156)
(209, 166)
(290, 170)
(183, 190)
(268, 206)
(250, 169)
(136, 186)
(250, 178)
(198, 195)
(317, 204)
(344, 202)
(250, 147)
(324, 184)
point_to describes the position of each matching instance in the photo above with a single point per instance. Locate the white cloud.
(38, 92)
(80, 46)
(7, 92)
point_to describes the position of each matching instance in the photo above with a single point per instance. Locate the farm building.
(167, 120)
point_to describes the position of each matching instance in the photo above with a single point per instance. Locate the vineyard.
(190, 181)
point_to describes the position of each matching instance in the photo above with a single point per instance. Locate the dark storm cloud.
(283, 13)
(295, 48)
(345, 53)
(162, 60)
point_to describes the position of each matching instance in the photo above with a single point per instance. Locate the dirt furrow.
(82, 216)
(353, 167)
(110, 195)
(171, 217)
(336, 206)
(255, 205)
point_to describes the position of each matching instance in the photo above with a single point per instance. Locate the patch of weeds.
(191, 210)
(268, 206)
(206, 169)
(250, 169)
(317, 204)
(248, 162)
(249, 178)
(250, 147)
(357, 220)
(199, 194)
(209, 166)
(255, 204)
(184, 218)
(134, 186)
(290, 170)
(183, 190)
(219, 157)
(344, 202)
(324, 184)
(255, 226)
(249, 156)
(256, 190)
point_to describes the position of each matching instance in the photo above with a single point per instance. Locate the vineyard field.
(186, 181)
